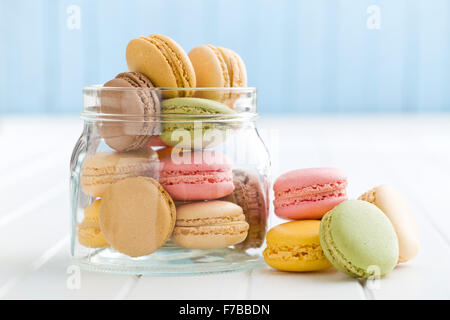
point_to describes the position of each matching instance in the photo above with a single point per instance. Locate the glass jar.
(169, 181)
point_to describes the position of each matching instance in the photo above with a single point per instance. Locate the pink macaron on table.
(309, 193)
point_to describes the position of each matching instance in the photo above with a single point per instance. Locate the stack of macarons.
(165, 79)
(363, 238)
(150, 186)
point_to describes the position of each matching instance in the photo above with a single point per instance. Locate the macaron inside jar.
(210, 225)
(131, 102)
(199, 175)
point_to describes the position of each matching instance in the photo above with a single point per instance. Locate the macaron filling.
(232, 228)
(311, 252)
(314, 193)
(193, 222)
(170, 178)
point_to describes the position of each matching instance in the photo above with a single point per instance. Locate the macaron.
(396, 208)
(156, 142)
(217, 67)
(131, 126)
(181, 131)
(199, 175)
(309, 193)
(103, 169)
(250, 195)
(295, 246)
(209, 225)
(359, 240)
(163, 61)
(89, 233)
(137, 216)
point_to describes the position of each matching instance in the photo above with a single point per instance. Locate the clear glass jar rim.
(99, 87)
(93, 113)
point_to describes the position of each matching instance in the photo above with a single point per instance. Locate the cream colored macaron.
(395, 207)
(137, 216)
(103, 169)
(210, 225)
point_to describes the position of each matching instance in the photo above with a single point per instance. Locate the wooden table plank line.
(34, 266)
(394, 286)
(33, 204)
(248, 294)
(33, 167)
(366, 287)
(127, 288)
(417, 201)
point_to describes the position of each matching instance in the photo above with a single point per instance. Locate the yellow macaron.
(295, 246)
(163, 61)
(89, 234)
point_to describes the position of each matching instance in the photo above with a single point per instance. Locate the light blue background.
(303, 56)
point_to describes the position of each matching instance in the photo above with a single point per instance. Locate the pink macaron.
(156, 141)
(199, 175)
(309, 193)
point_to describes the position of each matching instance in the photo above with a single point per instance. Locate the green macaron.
(359, 240)
(195, 123)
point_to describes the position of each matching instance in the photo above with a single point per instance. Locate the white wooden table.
(409, 152)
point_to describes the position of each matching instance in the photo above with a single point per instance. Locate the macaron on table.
(35, 229)
(171, 177)
(162, 181)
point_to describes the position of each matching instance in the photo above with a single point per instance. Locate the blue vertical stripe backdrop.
(303, 56)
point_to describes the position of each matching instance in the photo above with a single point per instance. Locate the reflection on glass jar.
(169, 186)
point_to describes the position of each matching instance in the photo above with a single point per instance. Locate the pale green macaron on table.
(359, 240)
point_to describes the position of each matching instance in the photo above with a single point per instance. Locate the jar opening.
(137, 104)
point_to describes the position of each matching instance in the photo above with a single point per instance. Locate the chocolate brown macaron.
(132, 104)
(137, 216)
(249, 195)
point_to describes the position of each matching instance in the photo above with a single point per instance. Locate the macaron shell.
(211, 237)
(295, 246)
(137, 216)
(249, 195)
(199, 187)
(218, 67)
(236, 67)
(182, 135)
(208, 213)
(163, 61)
(138, 104)
(197, 175)
(101, 170)
(308, 177)
(309, 193)
(89, 233)
(210, 67)
(359, 239)
(396, 208)
(316, 263)
(309, 209)
(209, 225)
